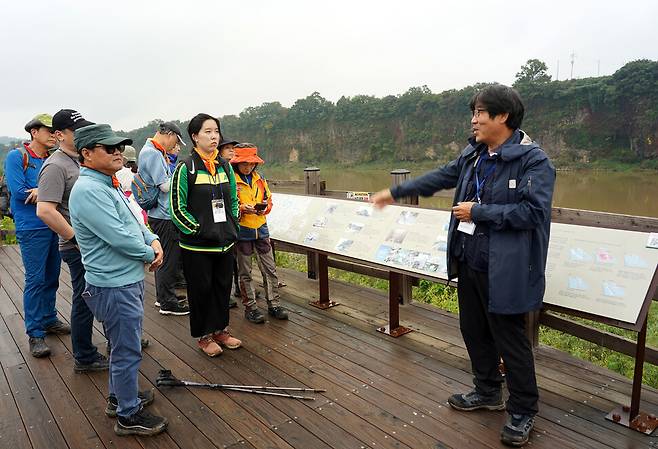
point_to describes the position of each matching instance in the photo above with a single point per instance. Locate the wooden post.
(312, 187)
(532, 327)
(632, 417)
(395, 281)
(399, 176)
(323, 274)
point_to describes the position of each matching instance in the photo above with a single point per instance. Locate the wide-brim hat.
(38, 121)
(130, 154)
(88, 136)
(249, 155)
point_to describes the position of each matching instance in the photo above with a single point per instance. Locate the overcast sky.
(128, 62)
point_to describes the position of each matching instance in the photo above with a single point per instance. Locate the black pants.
(208, 276)
(165, 276)
(490, 336)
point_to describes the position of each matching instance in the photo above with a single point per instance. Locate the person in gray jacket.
(497, 247)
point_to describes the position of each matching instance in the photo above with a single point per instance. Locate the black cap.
(226, 141)
(166, 127)
(69, 119)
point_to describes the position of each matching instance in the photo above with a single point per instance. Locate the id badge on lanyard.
(218, 211)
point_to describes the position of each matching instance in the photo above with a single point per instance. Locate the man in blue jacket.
(39, 249)
(497, 242)
(114, 245)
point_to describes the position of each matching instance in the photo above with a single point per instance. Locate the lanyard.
(479, 185)
(215, 182)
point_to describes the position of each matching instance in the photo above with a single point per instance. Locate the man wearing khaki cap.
(37, 242)
(115, 245)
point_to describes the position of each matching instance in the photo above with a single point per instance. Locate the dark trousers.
(82, 319)
(165, 276)
(490, 336)
(208, 276)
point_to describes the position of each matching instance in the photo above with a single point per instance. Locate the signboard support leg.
(395, 284)
(632, 417)
(323, 280)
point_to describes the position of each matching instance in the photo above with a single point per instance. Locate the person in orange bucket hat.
(255, 201)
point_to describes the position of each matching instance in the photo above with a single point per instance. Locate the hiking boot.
(232, 303)
(146, 398)
(140, 423)
(278, 312)
(174, 308)
(38, 347)
(476, 401)
(156, 303)
(209, 346)
(516, 431)
(254, 316)
(58, 328)
(100, 364)
(225, 339)
(236, 293)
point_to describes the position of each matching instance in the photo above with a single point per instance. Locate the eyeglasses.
(111, 149)
(478, 111)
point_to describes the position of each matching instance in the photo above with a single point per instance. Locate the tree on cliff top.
(533, 72)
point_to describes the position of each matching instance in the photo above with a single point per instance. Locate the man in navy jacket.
(497, 246)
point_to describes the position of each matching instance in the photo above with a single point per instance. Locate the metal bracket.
(643, 422)
(395, 332)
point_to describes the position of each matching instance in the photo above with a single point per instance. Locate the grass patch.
(7, 224)
(445, 298)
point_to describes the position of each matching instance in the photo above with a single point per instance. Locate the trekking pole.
(167, 379)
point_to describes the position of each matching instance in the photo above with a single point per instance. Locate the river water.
(630, 192)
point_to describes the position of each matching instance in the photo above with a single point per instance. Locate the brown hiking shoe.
(209, 346)
(225, 339)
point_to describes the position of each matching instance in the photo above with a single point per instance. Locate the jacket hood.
(516, 146)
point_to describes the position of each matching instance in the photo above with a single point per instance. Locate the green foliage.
(584, 121)
(7, 224)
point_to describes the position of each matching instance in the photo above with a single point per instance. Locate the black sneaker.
(516, 431)
(145, 399)
(140, 423)
(278, 312)
(174, 308)
(38, 347)
(254, 316)
(58, 328)
(100, 364)
(476, 401)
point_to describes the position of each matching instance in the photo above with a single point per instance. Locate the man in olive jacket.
(497, 247)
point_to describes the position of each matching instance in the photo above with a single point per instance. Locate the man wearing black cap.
(38, 243)
(115, 245)
(56, 179)
(153, 164)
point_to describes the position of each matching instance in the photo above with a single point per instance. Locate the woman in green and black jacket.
(204, 206)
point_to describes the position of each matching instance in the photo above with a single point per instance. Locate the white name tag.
(512, 183)
(467, 227)
(218, 211)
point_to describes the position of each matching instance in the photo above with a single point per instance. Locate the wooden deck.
(381, 392)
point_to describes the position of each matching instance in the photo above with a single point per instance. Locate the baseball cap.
(38, 121)
(226, 141)
(90, 135)
(130, 154)
(166, 127)
(69, 119)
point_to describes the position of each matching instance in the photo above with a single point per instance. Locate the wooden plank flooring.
(381, 392)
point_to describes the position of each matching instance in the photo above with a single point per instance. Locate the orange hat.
(246, 155)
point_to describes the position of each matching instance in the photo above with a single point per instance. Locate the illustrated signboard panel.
(599, 271)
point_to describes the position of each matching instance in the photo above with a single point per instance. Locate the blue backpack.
(146, 195)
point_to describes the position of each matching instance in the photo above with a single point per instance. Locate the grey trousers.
(265, 259)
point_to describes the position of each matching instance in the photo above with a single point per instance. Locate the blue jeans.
(121, 310)
(41, 261)
(82, 319)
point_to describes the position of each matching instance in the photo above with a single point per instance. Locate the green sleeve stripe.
(234, 192)
(178, 202)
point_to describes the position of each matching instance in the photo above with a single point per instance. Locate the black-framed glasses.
(478, 111)
(111, 149)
